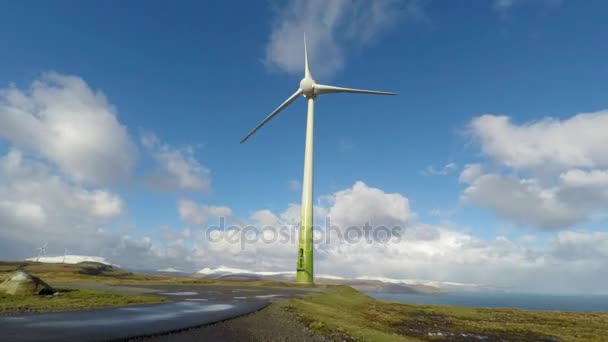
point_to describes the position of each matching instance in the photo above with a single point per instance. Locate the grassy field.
(71, 299)
(88, 271)
(95, 272)
(343, 310)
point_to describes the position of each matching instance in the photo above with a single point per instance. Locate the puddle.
(268, 296)
(142, 314)
(179, 293)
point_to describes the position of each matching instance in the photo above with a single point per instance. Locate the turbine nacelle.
(307, 86)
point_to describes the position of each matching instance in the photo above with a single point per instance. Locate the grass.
(71, 299)
(344, 310)
(89, 271)
(96, 272)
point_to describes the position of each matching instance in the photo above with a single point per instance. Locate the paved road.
(194, 306)
(120, 323)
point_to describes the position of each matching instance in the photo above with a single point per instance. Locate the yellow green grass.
(347, 311)
(72, 299)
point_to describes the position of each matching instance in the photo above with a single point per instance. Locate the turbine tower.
(310, 89)
(65, 253)
(41, 251)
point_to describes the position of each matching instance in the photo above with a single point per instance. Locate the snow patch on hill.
(70, 259)
(223, 270)
(170, 270)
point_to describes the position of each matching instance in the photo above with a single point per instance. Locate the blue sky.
(199, 76)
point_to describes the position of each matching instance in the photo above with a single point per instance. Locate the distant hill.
(375, 285)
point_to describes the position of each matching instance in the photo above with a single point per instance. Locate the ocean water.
(508, 300)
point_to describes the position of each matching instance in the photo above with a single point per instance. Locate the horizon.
(120, 138)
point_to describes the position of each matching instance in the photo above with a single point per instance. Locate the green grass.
(345, 310)
(71, 299)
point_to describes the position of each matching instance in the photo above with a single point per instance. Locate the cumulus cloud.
(522, 201)
(178, 167)
(330, 26)
(548, 143)
(548, 175)
(361, 204)
(470, 173)
(439, 253)
(38, 205)
(60, 118)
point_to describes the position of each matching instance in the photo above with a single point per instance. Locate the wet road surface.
(121, 323)
(193, 306)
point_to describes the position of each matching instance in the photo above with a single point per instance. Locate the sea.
(527, 301)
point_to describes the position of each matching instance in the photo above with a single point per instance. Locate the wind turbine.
(41, 250)
(310, 89)
(65, 253)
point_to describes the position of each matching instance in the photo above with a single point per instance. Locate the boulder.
(23, 284)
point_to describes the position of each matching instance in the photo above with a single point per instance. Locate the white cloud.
(548, 143)
(66, 122)
(522, 201)
(200, 215)
(330, 27)
(179, 169)
(548, 175)
(437, 253)
(55, 210)
(581, 178)
(38, 205)
(446, 169)
(470, 173)
(23, 211)
(361, 204)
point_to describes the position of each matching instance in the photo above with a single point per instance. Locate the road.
(193, 306)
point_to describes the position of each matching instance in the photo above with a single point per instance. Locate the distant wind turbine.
(310, 89)
(65, 253)
(41, 251)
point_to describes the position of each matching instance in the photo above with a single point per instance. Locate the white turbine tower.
(65, 253)
(310, 89)
(41, 251)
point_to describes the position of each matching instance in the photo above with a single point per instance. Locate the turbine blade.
(306, 69)
(273, 114)
(327, 89)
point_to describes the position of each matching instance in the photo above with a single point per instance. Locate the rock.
(23, 284)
